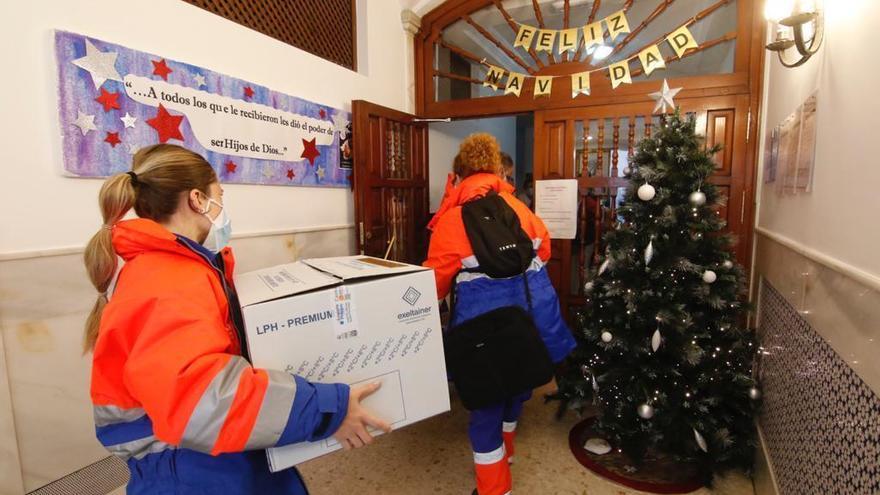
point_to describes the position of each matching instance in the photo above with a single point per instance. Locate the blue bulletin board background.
(114, 100)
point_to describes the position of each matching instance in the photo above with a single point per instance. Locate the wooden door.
(390, 183)
(593, 145)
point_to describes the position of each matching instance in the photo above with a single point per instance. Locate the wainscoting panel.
(821, 421)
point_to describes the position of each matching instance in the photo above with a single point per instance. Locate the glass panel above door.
(466, 49)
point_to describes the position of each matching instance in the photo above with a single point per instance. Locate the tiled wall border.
(820, 422)
(841, 302)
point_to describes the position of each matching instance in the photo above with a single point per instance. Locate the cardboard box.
(352, 320)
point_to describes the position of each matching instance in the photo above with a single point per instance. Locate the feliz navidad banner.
(568, 40)
(113, 100)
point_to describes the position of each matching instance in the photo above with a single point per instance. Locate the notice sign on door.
(556, 204)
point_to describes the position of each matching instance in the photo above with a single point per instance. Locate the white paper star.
(321, 172)
(85, 122)
(132, 148)
(128, 120)
(664, 97)
(200, 80)
(101, 65)
(268, 173)
(340, 123)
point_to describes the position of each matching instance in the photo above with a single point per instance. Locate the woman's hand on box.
(352, 433)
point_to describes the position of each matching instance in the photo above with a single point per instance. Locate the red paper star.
(108, 100)
(231, 166)
(167, 125)
(161, 69)
(248, 92)
(310, 151)
(323, 114)
(290, 174)
(112, 138)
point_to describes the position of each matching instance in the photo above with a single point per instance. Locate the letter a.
(651, 59)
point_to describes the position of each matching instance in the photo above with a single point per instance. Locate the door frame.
(369, 174)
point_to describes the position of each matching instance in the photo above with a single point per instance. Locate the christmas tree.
(663, 353)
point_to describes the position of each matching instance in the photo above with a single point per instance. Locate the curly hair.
(480, 152)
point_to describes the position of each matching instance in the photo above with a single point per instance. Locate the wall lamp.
(800, 25)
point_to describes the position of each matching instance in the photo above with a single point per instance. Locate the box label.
(345, 324)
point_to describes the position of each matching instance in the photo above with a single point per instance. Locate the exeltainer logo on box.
(412, 296)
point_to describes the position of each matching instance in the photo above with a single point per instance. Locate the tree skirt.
(658, 474)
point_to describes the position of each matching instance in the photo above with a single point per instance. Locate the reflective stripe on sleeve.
(274, 411)
(110, 415)
(210, 413)
(139, 449)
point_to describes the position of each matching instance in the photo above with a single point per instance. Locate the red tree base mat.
(656, 475)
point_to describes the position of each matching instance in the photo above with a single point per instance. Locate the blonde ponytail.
(117, 196)
(161, 175)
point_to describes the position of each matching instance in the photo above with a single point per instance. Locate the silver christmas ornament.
(701, 442)
(649, 252)
(656, 339)
(606, 336)
(595, 383)
(727, 264)
(627, 170)
(604, 266)
(646, 411)
(588, 287)
(646, 192)
(709, 276)
(697, 198)
(585, 370)
(754, 393)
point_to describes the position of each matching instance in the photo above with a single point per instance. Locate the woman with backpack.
(488, 250)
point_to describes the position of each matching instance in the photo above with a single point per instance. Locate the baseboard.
(764, 478)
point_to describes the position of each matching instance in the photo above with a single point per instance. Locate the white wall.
(43, 210)
(839, 218)
(445, 138)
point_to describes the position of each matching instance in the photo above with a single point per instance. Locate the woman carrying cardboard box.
(174, 394)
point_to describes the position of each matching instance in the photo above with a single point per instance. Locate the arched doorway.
(586, 137)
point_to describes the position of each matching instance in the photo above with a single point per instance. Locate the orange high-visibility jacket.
(168, 373)
(450, 250)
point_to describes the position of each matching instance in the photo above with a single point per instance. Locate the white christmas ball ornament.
(646, 192)
(727, 264)
(646, 411)
(606, 336)
(697, 198)
(709, 276)
(588, 287)
(754, 393)
(627, 170)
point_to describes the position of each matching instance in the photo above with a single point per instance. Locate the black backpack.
(499, 354)
(499, 243)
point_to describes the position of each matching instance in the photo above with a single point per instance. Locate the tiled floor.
(433, 457)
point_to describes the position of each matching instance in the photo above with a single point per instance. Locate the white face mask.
(221, 229)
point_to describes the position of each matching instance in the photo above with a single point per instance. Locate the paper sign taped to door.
(556, 204)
